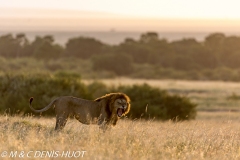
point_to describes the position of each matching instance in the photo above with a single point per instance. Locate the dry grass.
(217, 138)
(213, 135)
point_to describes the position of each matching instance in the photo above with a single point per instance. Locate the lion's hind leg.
(61, 121)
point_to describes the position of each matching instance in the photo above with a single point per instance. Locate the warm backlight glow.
(143, 8)
(165, 15)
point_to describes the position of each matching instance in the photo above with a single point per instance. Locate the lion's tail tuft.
(30, 100)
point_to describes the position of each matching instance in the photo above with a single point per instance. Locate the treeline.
(146, 102)
(217, 57)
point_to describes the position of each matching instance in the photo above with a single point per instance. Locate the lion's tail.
(40, 110)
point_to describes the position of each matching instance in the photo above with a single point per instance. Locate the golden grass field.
(199, 139)
(213, 135)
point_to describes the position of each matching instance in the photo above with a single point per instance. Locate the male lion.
(104, 111)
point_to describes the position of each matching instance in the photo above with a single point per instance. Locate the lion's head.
(117, 103)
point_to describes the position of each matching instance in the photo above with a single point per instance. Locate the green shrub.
(146, 101)
(150, 102)
(16, 90)
(179, 108)
(97, 89)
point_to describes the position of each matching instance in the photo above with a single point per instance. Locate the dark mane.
(113, 96)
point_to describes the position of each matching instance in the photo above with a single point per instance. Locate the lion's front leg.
(105, 126)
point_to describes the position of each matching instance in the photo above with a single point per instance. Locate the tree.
(8, 46)
(214, 43)
(23, 44)
(148, 49)
(214, 40)
(148, 37)
(83, 47)
(13, 47)
(194, 50)
(44, 48)
(230, 51)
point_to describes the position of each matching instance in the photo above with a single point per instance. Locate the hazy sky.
(210, 9)
(125, 15)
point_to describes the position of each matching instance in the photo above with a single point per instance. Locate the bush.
(178, 108)
(97, 89)
(16, 90)
(146, 101)
(149, 102)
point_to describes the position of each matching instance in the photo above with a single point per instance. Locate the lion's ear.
(99, 99)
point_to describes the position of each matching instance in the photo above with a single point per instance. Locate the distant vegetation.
(216, 58)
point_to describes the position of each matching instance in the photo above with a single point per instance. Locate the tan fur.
(103, 111)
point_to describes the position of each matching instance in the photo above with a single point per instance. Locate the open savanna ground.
(216, 138)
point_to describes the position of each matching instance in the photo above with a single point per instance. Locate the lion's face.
(117, 104)
(121, 106)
